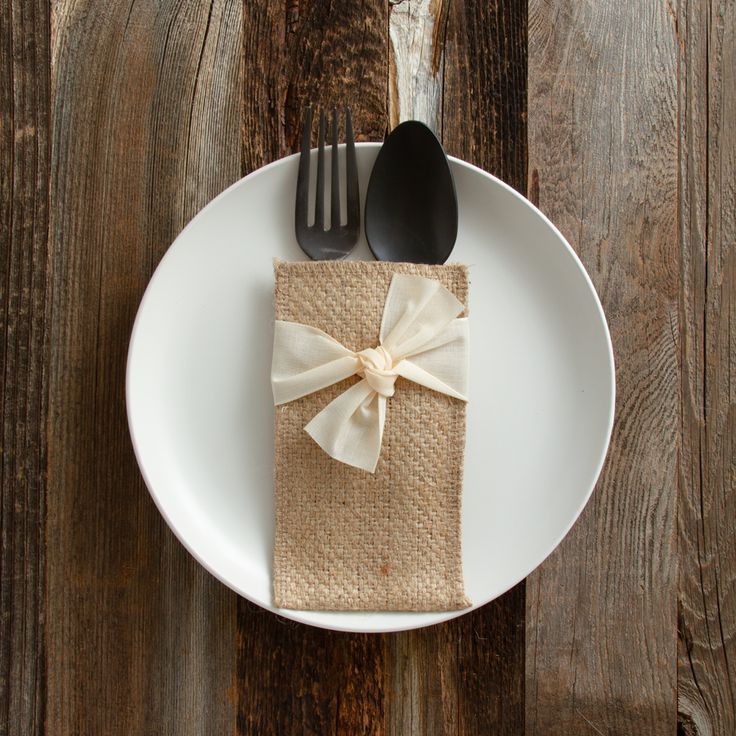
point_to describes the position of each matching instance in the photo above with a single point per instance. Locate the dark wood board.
(24, 349)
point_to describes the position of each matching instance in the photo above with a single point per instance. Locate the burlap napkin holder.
(346, 539)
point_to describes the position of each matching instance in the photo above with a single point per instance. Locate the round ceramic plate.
(201, 413)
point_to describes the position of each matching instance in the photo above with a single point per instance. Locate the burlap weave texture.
(347, 539)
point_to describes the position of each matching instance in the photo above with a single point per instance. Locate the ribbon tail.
(350, 428)
(441, 364)
(417, 374)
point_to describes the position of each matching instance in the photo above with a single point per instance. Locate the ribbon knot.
(377, 369)
(421, 339)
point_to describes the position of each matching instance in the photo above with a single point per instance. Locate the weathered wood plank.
(462, 677)
(601, 627)
(484, 99)
(298, 679)
(146, 110)
(461, 69)
(417, 33)
(24, 317)
(294, 678)
(296, 53)
(707, 507)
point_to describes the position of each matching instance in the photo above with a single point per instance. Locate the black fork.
(338, 240)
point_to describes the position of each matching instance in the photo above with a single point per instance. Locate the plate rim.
(299, 615)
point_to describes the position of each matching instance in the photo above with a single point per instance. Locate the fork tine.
(301, 215)
(335, 190)
(319, 207)
(339, 240)
(353, 192)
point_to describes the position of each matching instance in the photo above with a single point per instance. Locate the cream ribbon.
(421, 339)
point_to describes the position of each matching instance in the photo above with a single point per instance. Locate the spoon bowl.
(411, 204)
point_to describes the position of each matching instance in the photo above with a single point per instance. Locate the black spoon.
(411, 204)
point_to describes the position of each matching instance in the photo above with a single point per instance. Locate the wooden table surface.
(119, 121)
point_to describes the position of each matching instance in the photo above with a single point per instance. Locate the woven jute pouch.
(347, 539)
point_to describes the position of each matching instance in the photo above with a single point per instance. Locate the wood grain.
(601, 626)
(462, 677)
(294, 678)
(707, 507)
(417, 32)
(24, 318)
(297, 679)
(145, 126)
(461, 69)
(484, 99)
(296, 53)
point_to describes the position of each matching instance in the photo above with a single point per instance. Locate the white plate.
(200, 407)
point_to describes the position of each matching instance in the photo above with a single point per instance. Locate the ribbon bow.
(421, 339)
